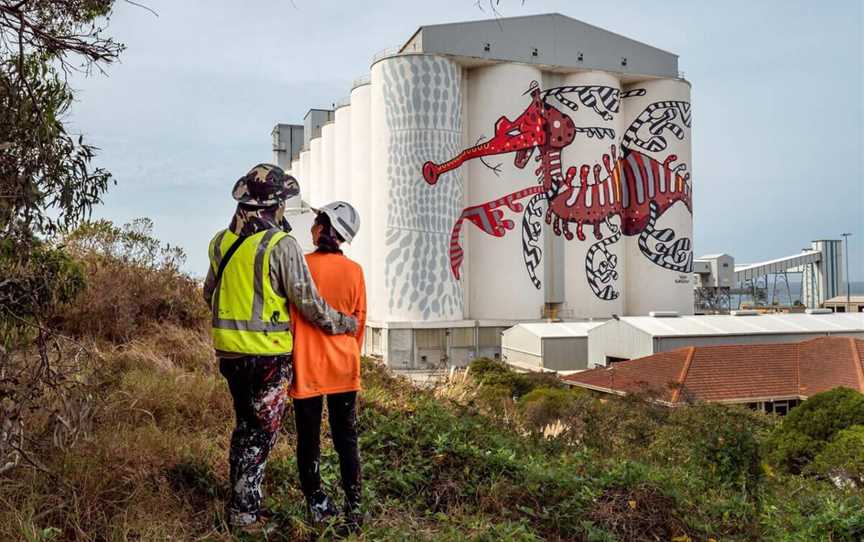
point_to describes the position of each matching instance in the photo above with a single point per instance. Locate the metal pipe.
(848, 297)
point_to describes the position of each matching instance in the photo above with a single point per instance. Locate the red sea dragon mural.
(630, 185)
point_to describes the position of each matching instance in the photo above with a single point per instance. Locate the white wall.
(519, 338)
(617, 339)
(521, 360)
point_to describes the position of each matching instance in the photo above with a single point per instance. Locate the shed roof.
(724, 324)
(735, 373)
(556, 329)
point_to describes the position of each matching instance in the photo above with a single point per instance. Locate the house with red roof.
(769, 377)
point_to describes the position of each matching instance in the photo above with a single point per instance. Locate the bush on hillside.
(808, 428)
(718, 440)
(496, 373)
(543, 406)
(619, 426)
(843, 456)
(133, 282)
(36, 280)
(480, 368)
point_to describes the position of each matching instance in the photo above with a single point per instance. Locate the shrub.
(36, 280)
(620, 426)
(480, 368)
(496, 373)
(843, 456)
(132, 281)
(543, 406)
(808, 428)
(718, 440)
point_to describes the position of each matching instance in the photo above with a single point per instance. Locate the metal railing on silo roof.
(384, 53)
(342, 102)
(360, 81)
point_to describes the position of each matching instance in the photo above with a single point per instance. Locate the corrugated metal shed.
(631, 337)
(552, 346)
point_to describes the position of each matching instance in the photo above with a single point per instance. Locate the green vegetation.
(806, 431)
(141, 450)
(843, 456)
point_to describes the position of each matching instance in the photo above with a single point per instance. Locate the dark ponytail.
(329, 239)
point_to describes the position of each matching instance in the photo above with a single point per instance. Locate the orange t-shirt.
(325, 364)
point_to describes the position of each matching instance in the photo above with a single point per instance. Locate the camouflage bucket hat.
(264, 186)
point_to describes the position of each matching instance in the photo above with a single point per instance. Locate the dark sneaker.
(320, 508)
(352, 519)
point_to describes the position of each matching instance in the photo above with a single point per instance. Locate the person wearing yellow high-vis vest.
(257, 272)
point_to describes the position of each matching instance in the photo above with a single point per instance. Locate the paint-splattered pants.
(259, 386)
(342, 409)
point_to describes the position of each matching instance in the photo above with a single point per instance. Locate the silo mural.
(627, 189)
(416, 114)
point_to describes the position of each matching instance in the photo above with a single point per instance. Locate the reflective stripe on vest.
(252, 333)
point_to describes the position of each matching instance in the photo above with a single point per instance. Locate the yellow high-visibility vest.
(249, 317)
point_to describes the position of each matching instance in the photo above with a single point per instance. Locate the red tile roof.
(735, 373)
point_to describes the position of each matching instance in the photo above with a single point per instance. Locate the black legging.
(342, 408)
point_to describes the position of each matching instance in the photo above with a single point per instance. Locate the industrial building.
(769, 377)
(842, 303)
(631, 337)
(820, 267)
(547, 346)
(505, 171)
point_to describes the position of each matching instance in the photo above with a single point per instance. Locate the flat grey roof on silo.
(550, 39)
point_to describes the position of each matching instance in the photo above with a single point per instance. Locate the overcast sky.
(778, 86)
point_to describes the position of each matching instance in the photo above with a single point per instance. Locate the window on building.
(462, 337)
(430, 339)
(781, 408)
(839, 308)
(613, 359)
(489, 337)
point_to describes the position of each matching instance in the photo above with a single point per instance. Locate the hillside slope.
(487, 455)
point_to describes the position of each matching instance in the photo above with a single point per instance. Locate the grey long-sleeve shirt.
(290, 278)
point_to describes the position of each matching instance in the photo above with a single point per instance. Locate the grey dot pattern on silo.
(423, 98)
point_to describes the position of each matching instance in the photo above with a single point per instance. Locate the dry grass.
(121, 482)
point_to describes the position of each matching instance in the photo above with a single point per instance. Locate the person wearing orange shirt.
(329, 365)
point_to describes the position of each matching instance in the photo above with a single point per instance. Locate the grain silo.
(328, 162)
(314, 174)
(508, 171)
(341, 189)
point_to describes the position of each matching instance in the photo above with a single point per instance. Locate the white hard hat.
(343, 217)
